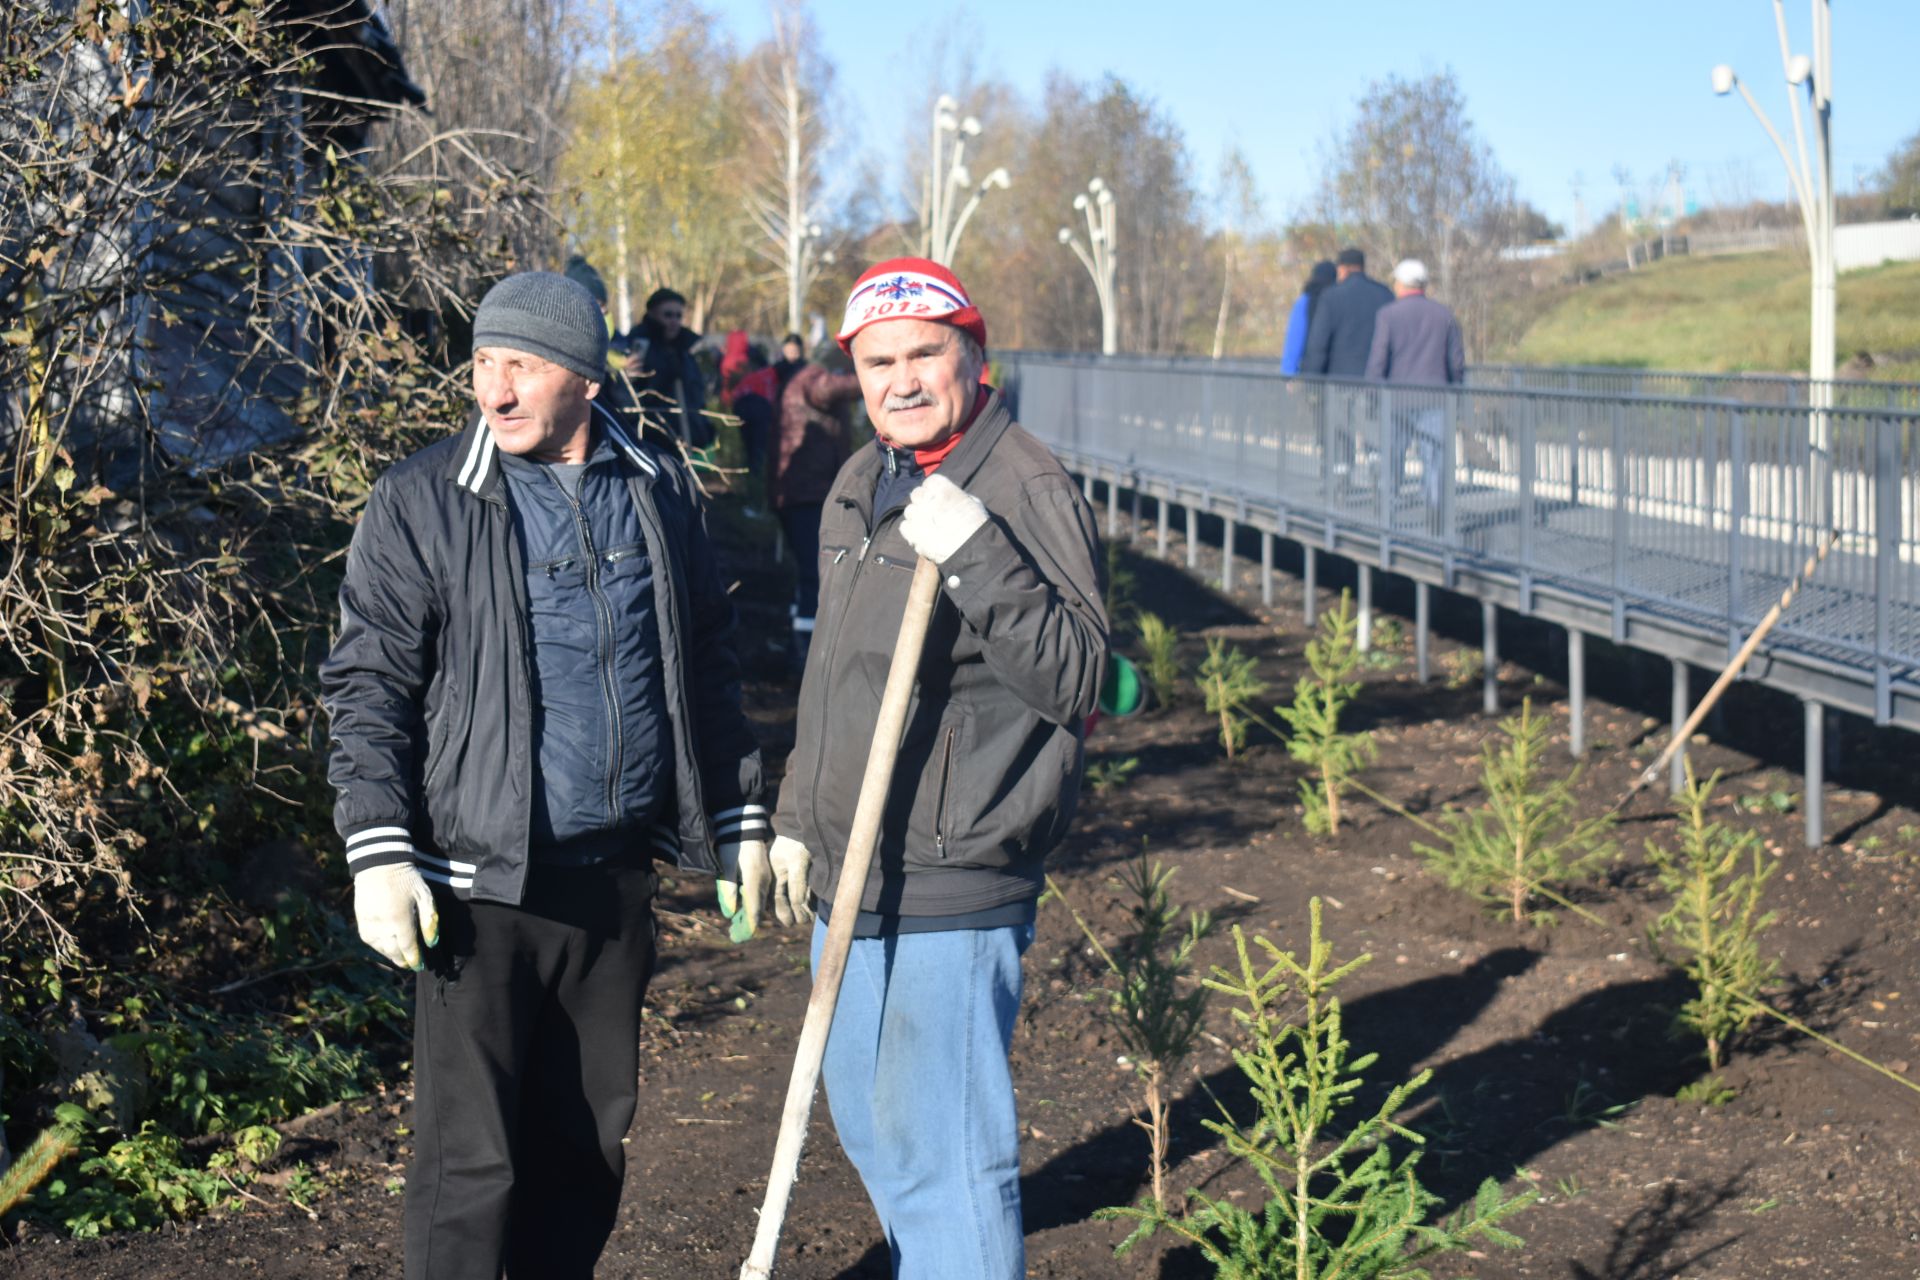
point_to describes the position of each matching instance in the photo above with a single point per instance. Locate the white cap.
(1411, 273)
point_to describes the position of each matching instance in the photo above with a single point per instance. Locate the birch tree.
(789, 79)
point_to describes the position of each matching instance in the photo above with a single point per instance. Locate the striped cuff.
(455, 875)
(747, 822)
(381, 846)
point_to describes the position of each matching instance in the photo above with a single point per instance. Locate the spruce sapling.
(1227, 680)
(1318, 699)
(1341, 1203)
(1715, 918)
(1159, 641)
(1526, 837)
(1156, 1023)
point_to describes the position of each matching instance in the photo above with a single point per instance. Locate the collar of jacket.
(960, 466)
(475, 465)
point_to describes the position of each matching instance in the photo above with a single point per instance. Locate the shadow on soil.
(1656, 1240)
(1484, 1113)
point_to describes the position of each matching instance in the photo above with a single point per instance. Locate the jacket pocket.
(942, 813)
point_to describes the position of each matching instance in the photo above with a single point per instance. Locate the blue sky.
(1559, 88)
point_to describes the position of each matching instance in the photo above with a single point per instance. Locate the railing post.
(1887, 484)
(1489, 657)
(1577, 692)
(1232, 530)
(1193, 536)
(1309, 584)
(1266, 568)
(1363, 638)
(1814, 771)
(1682, 706)
(1529, 431)
(1450, 463)
(1160, 510)
(1422, 632)
(1737, 513)
(1617, 466)
(1387, 470)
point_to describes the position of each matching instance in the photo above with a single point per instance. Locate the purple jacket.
(1416, 339)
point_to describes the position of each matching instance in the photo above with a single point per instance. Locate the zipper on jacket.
(604, 613)
(946, 784)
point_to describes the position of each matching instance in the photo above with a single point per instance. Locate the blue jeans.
(922, 1097)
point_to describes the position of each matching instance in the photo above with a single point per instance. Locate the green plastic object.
(1121, 693)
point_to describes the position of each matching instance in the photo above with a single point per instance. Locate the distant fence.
(1698, 510)
(1747, 388)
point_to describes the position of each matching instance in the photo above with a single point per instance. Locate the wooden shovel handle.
(887, 731)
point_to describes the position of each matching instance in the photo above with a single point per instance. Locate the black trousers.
(526, 1070)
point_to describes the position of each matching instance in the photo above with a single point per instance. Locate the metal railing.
(1748, 388)
(1701, 510)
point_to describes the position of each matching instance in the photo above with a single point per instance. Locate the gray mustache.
(918, 400)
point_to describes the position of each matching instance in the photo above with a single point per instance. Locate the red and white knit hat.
(910, 289)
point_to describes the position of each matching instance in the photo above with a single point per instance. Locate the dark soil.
(1554, 1064)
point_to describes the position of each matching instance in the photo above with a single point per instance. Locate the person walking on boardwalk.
(989, 770)
(1416, 342)
(533, 695)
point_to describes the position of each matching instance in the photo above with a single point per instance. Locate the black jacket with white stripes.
(429, 687)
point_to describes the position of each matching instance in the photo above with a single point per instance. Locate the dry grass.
(1744, 313)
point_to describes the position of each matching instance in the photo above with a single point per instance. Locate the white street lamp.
(948, 179)
(1099, 260)
(1813, 188)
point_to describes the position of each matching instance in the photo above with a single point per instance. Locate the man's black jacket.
(1342, 332)
(429, 690)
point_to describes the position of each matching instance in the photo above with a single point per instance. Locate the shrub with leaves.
(1718, 877)
(1160, 642)
(1333, 655)
(1231, 688)
(1120, 584)
(1341, 1200)
(1157, 1023)
(1526, 838)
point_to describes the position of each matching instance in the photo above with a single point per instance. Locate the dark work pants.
(526, 1069)
(802, 526)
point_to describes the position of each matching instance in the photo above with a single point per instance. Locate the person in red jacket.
(812, 440)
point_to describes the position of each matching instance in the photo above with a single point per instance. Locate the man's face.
(670, 316)
(790, 351)
(919, 380)
(533, 406)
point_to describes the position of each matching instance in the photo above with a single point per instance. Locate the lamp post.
(1813, 188)
(1096, 205)
(948, 179)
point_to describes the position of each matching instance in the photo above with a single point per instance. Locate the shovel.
(887, 730)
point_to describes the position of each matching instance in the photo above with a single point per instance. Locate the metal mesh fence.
(1700, 508)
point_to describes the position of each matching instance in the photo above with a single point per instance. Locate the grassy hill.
(1744, 313)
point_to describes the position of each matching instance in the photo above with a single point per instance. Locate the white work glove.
(940, 517)
(744, 878)
(386, 901)
(790, 861)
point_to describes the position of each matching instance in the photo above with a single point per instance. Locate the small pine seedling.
(1318, 699)
(1227, 680)
(1717, 877)
(1159, 641)
(1341, 1202)
(1156, 1022)
(1525, 837)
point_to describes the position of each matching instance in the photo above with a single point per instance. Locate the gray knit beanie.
(547, 315)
